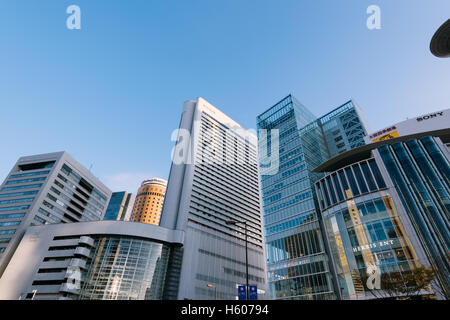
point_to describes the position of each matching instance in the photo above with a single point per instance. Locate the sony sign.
(430, 116)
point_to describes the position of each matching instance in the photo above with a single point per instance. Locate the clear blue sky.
(111, 93)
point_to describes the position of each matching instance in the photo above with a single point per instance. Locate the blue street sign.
(253, 293)
(242, 294)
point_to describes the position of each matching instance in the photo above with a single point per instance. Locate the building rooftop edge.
(112, 227)
(364, 152)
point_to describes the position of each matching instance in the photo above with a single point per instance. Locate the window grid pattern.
(420, 173)
(354, 180)
(125, 269)
(364, 232)
(290, 218)
(225, 182)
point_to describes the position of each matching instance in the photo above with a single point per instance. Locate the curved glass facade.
(363, 233)
(358, 179)
(124, 268)
(363, 228)
(420, 172)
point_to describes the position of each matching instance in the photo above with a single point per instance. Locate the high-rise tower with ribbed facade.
(213, 195)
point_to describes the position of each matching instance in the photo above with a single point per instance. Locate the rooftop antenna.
(90, 167)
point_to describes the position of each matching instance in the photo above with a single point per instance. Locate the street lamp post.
(215, 290)
(234, 222)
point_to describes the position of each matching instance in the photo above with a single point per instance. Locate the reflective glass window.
(381, 235)
(29, 186)
(25, 180)
(377, 174)
(12, 215)
(14, 208)
(325, 192)
(9, 223)
(351, 179)
(343, 181)
(362, 209)
(379, 204)
(338, 188)
(29, 174)
(8, 231)
(437, 157)
(368, 176)
(371, 207)
(389, 227)
(359, 177)
(16, 201)
(332, 192)
(17, 194)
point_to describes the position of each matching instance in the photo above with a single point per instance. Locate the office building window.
(368, 176)
(377, 174)
(8, 231)
(351, 179)
(13, 215)
(9, 223)
(30, 186)
(16, 201)
(25, 180)
(14, 208)
(360, 179)
(29, 174)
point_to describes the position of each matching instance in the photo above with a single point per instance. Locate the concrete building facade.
(46, 189)
(213, 194)
(101, 260)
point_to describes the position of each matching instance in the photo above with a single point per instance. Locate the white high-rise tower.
(213, 194)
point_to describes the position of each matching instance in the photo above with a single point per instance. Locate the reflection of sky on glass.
(111, 93)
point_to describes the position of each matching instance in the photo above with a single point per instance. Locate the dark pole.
(234, 222)
(246, 259)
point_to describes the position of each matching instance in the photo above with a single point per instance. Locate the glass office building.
(387, 204)
(120, 206)
(363, 228)
(420, 172)
(297, 261)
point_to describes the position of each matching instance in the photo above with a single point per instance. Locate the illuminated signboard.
(379, 133)
(390, 135)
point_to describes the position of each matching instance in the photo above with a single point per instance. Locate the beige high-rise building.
(149, 201)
